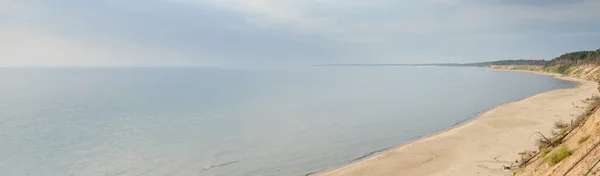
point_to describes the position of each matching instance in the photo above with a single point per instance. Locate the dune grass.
(558, 155)
(583, 139)
(545, 152)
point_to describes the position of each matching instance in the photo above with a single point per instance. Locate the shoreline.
(428, 154)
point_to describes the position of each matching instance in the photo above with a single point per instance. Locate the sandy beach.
(482, 145)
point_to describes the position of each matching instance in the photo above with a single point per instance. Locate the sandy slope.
(480, 146)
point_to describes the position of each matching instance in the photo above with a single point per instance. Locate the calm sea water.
(209, 122)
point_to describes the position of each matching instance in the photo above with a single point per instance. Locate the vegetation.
(565, 61)
(560, 124)
(520, 62)
(551, 148)
(545, 152)
(561, 64)
(563, 68)
(558, 155)
(548, 146)
(542, 143)
(509, 62)
(583, 139)
(594, 102)
(579, 57)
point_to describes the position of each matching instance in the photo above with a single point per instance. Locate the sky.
(41, 33)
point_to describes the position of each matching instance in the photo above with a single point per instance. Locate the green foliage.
(520, 62)
(583, 139)
(560, 64)
(544, 152)
(562, 131)
(563, 68)
(579, 57)
(558, 155)
(558, 140)
(503, 62)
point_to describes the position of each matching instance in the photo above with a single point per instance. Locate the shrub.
(595, 102)
(558, 155)
(560, 124)
(542, 143)
(563, 68)
(583, 139)
(581, 119)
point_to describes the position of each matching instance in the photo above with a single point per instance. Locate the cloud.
(349, 20)
(188, 36)
(290, 32)
(529, 2)
(24, 48)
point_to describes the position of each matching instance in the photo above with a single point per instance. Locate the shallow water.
(234, 122)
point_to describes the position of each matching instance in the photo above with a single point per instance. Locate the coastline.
(480, 145)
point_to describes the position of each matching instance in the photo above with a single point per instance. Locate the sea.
(203, 121)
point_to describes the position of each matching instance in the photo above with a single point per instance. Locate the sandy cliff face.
(583, 142)
(584, 71)
(518, 67)
(585, 153)
(590, 72)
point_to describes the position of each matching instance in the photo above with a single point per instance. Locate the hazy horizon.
(274, 33)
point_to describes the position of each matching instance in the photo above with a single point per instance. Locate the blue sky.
(290, 32)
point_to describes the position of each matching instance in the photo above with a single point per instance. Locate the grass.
(583, 139)
(581, 119)
(563, 131)
(558, 155)
(546, 145)
(545, 152)
(594, 102)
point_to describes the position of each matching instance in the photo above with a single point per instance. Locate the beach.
(482, 145)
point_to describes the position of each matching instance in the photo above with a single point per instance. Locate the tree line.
(579, 57)
(572, 58)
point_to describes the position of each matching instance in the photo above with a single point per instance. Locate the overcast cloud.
(290, 32)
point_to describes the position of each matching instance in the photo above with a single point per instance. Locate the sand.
(482, 145)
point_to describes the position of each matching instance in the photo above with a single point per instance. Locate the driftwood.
(548, 140)
(526, 157)
(526, 161)
(545, 140)
(537, 132)
(557, 139)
